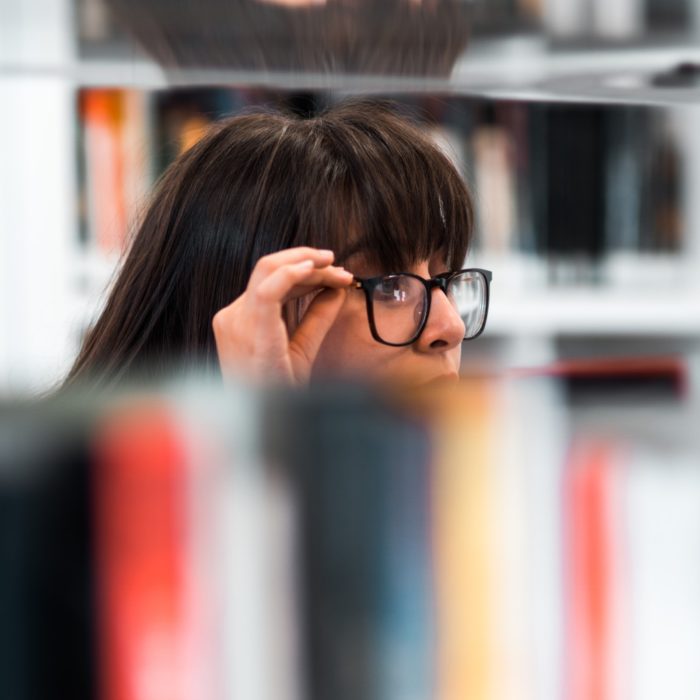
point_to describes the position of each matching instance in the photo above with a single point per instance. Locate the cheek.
(349, 346)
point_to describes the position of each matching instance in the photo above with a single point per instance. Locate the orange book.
(102, 112)
(136, 157)
(464, 581)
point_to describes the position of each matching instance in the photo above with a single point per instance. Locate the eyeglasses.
(398, 305)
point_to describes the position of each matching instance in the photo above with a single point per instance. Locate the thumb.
(319, 317)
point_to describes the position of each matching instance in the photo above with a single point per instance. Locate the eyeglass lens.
(469, 295)
(400, 304)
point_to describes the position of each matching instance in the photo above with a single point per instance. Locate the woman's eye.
(391, 290)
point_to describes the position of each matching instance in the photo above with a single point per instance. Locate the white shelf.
(595, 313)
(624, 271)
(638, 295)
(516, 68)
(37, 192)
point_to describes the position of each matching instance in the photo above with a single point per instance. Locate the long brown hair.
(360, 176)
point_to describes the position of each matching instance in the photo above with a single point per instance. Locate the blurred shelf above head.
(637, 51)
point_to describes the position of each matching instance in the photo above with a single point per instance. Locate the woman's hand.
(251, 336)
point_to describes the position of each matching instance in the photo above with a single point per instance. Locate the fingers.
(333, 277)
(279, 286)
(318, 319)
(250, 333)
(268, 264)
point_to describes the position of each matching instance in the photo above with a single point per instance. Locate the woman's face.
(350, 350)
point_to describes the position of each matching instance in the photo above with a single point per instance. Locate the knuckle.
(291, 273)
(218, 322)
(219, 315)
(222, 319)
(264, 265)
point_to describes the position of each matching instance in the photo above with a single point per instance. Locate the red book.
(592, 553)
(141, 559)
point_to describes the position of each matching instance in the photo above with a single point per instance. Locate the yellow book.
(462, 498)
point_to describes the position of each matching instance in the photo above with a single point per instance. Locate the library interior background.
(531, 534)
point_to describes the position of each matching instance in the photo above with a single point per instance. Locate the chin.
(425, 380)
(442, 380)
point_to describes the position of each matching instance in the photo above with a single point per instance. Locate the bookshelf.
(37, 237)
(532, 505)
(307, 543)
(44, 67)
(516, 67)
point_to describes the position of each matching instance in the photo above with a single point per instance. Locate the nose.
(444, 329)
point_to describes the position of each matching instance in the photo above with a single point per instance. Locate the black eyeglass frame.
(367, 285)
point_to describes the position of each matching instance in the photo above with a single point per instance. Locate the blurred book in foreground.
(496, 541)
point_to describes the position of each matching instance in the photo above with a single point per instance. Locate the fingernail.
(306, 264)
(327, 252)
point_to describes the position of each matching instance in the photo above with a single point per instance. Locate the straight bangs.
(385, 191)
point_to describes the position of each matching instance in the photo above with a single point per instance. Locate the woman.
(271, 247)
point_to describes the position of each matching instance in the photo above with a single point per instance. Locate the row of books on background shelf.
(485, 544)
(623, 19)
(553, 182)
(620, 21)
(564, 20)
